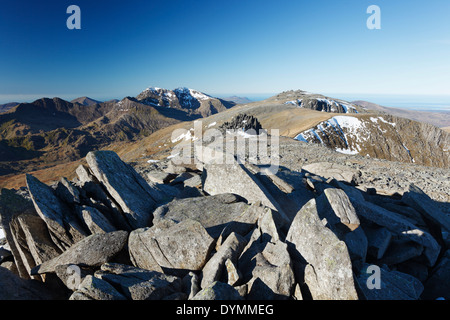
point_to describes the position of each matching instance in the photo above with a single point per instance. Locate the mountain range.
(51, 136)
(48, 132)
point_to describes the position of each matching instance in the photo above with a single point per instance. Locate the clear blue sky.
(223, 47)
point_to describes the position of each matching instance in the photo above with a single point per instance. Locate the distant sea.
(410, 102)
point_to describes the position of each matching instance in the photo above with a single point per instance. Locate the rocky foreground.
(317, 230)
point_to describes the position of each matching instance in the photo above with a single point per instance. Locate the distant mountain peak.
(85, 101)
(186, 99)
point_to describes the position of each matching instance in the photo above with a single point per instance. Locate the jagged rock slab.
(11, 205)
(95, 220)
(419, 200)
(230, 176)
(335, 206)
(67, 192)
(329, 273)
(32, 233)
(139, 284)
(273, 276)
(62, 224)
(132, 193)
(229, 250)
(176, 249)
(399, 227)
(218, 291)
(213, 212)
(393, 285)
(91, 251)
(334, 171)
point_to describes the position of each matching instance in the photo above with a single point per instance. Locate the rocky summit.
(324, 226)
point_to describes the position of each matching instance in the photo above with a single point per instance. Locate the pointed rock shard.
(61, 223)
(420, 201)
(227, 175)
(92, 251)
(95, 220)
(335, 206)
(329, 276)
(230, 249)
(132, 193)
(11, 205)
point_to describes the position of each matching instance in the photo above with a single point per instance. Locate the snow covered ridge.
(347, 134)
(324, 105)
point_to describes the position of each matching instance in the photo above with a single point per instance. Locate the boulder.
(218, 291)
(420, 201)
(334, 205)
(334, 171)
(92, 251)
(72, 275)
(213, 212)
(97, 289)
(160, 177)
(177, 248)
(273, 276)
(329, 273)
(129, 190)
(139, 284)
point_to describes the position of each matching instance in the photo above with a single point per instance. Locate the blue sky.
(223, 47)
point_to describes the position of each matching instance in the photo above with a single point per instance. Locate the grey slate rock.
(92, 251)
(12, 205)
(420, 201)
(213, 212)
(399, 227)
(329, 273)
(64, 226)
(139, 284)
(130, 191)
(98, 289)
(178, 248)
(218, 291)
(229, 250)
